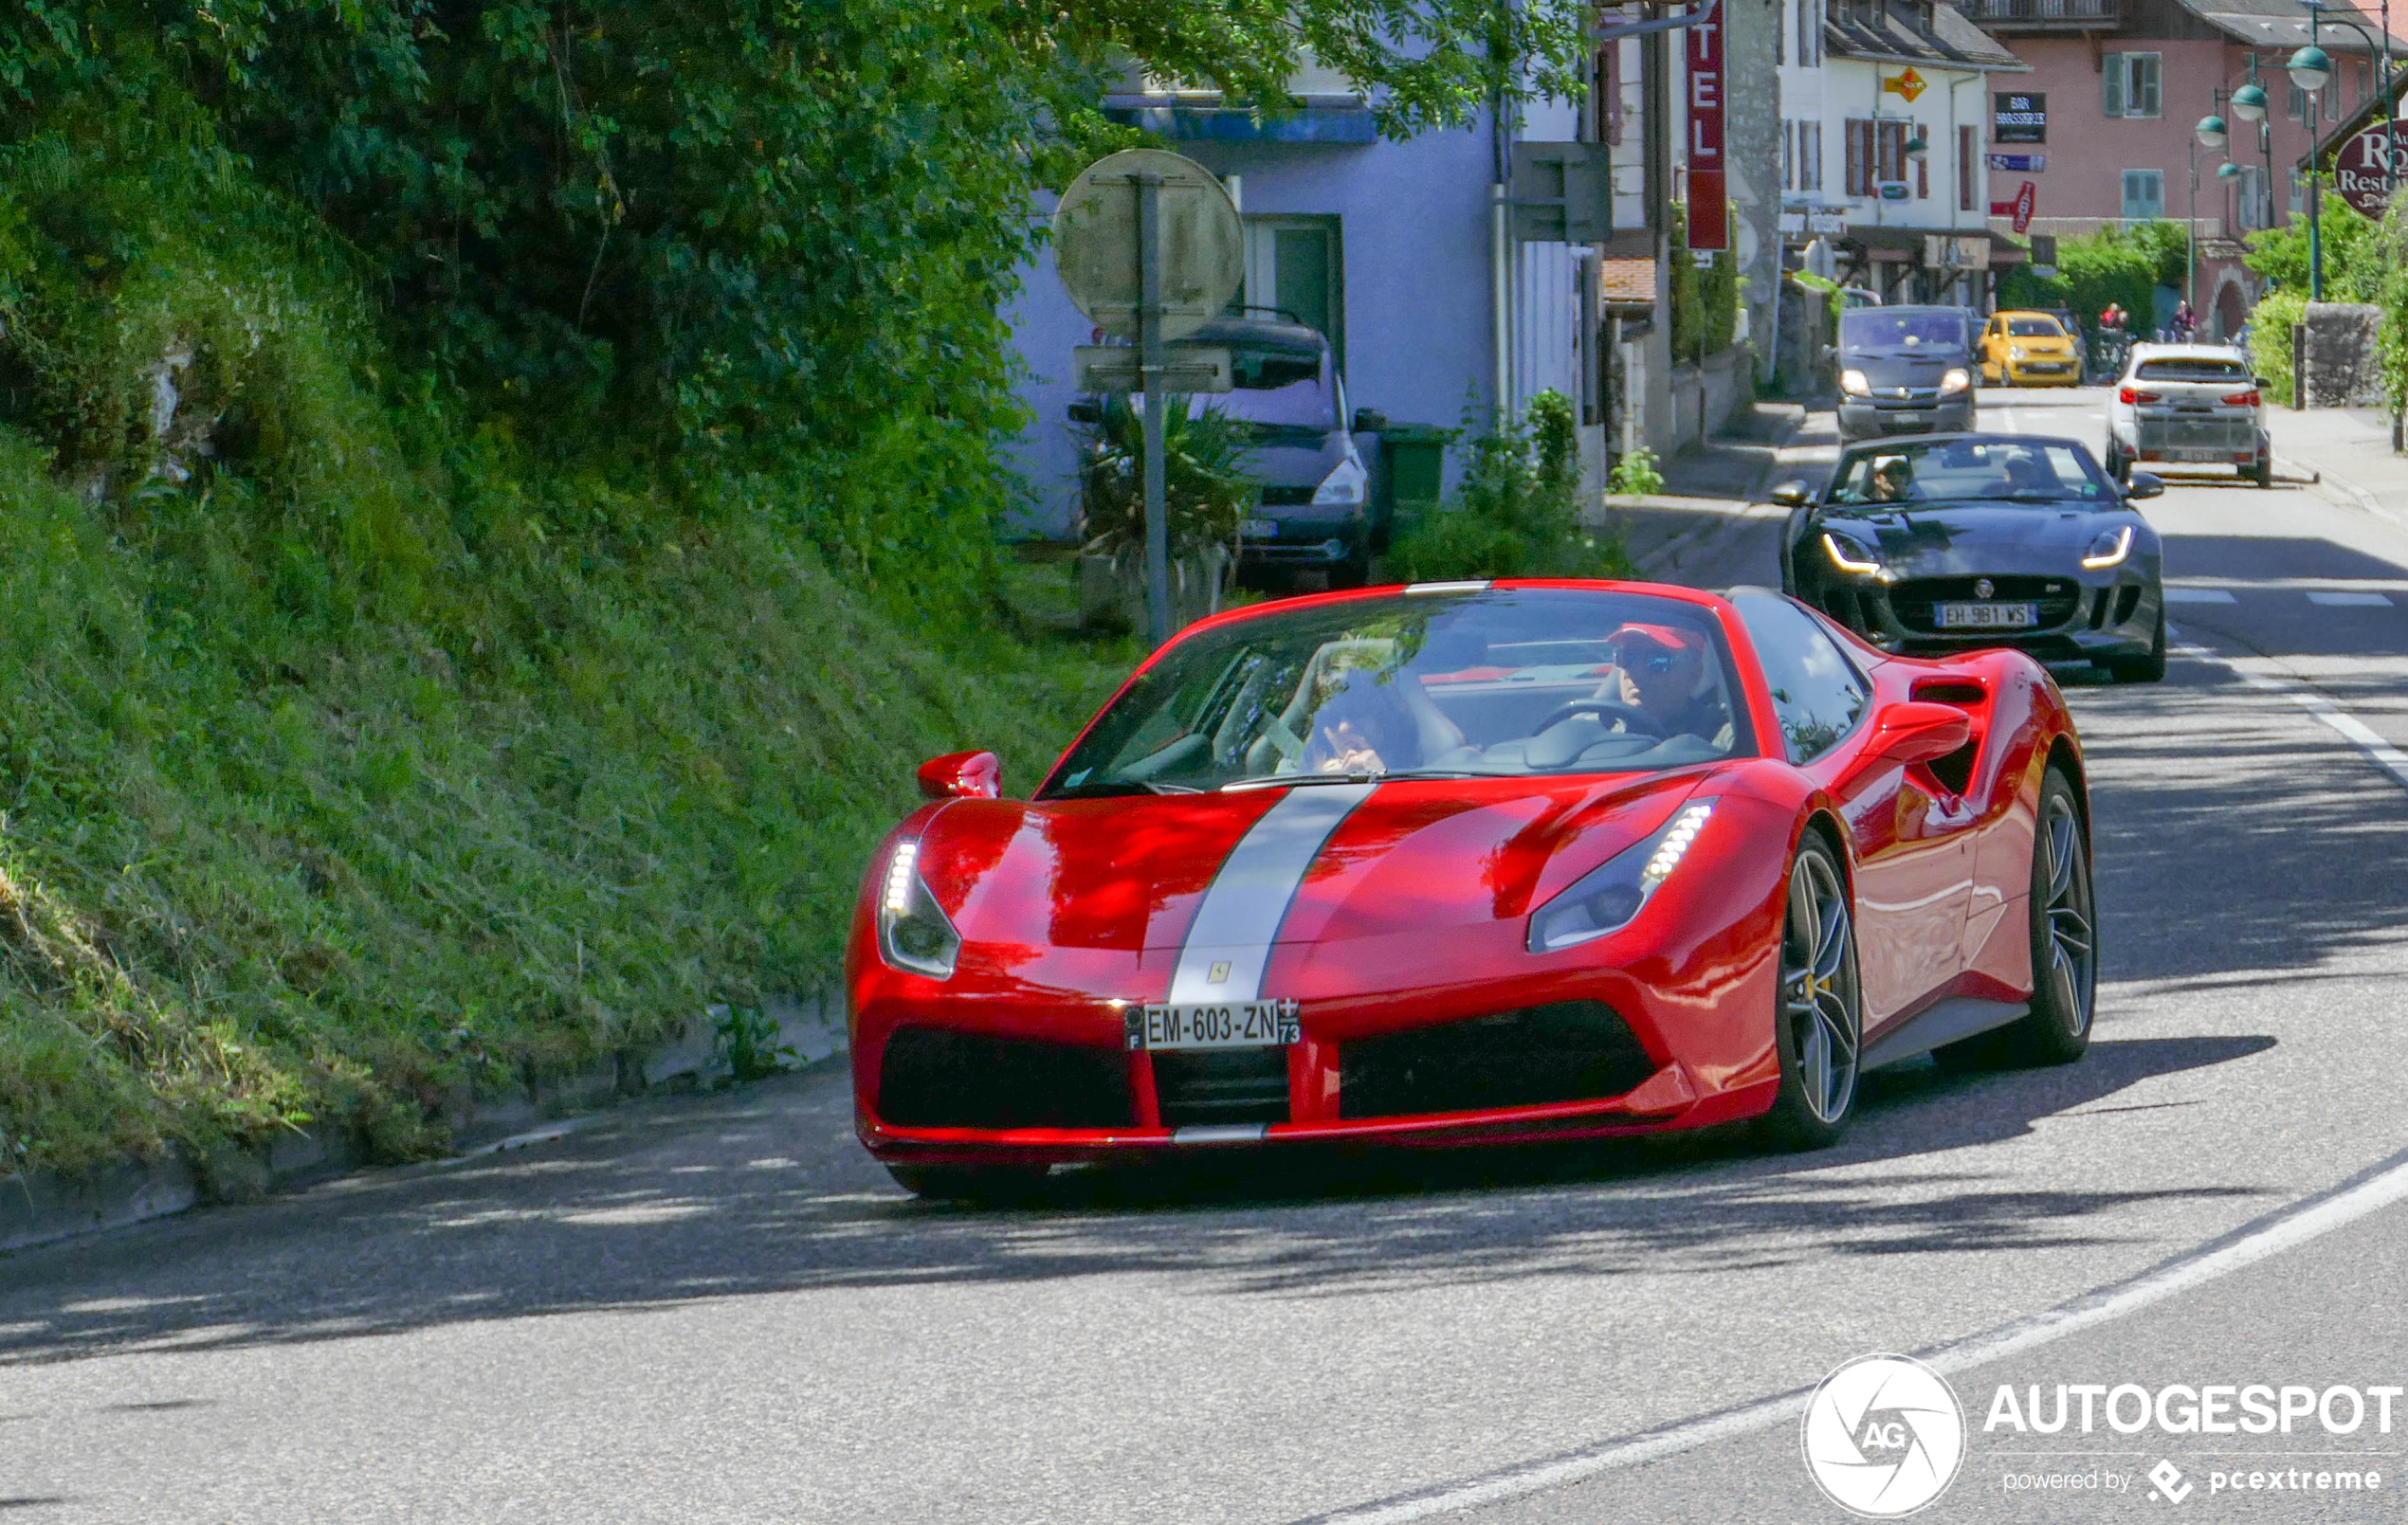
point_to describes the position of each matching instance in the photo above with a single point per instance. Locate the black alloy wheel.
(2148, 669)
(1818, 1017)
(2065, 947)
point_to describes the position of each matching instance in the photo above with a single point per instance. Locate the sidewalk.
(1714, 492)
(2347, 451)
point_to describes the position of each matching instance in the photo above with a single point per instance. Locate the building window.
(2131, 83)
(2251, 196)
(2143, 195)
(1860, 157)
(1810, 33)
(1810, 156)
(1923, 166)
(2299, 195)
(1294, 269)
(1890, 159)
(1968, 168)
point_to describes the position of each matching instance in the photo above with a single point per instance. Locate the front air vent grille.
(1569, 1051)
(1198, 1087)
(935, 1078)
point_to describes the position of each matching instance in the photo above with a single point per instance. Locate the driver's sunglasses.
(1660, 661)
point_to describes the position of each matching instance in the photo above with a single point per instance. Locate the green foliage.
(2355, 263)
(2113, 264)
(1635, 475)
(1705, 302)
(746, 1038)
(2270, 339)
(1206, 487)
(1517, 512)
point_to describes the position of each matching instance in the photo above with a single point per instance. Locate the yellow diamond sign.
(1907, 84)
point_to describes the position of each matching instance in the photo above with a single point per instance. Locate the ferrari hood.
(1971, 538)
(1321, 862)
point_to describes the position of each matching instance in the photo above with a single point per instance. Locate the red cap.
(1664, 637)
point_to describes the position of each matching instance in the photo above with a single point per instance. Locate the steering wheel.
(1634, 720)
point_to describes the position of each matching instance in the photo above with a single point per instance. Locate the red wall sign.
(2019, 208)
(2363, 164)
(1709, 193)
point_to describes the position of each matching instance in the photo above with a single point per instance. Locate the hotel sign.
(1709, 190)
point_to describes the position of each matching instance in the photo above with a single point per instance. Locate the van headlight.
(913, 931)
(1344, 486)
(1609, 899)
(1957, 380)
(1855, 384)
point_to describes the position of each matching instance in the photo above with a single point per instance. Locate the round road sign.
(1095, 245)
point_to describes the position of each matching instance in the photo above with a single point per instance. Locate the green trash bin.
(1417, 457)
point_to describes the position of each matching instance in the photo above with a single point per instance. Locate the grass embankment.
(385, 754)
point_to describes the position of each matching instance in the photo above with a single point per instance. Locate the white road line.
(2286, 1229)
(2351, 729)
(2199, 595)
(2351, 600)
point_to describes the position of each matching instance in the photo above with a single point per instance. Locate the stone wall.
(2334, 349)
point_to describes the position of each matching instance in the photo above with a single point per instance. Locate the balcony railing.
(2043, 15)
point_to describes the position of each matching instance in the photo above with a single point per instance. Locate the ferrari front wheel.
(1819, 1024)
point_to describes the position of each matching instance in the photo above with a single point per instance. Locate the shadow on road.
(763, 1191)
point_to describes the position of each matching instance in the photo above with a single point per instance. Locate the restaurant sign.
(2366, 165)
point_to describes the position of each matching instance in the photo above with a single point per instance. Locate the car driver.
(1660, 670)
(1893, 480)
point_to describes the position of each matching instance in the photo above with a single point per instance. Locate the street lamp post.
(2209, 133)
(2311, 69)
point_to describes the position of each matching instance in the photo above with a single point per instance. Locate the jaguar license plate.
(1222, 1024)
(1259, 529)
(1989, 616)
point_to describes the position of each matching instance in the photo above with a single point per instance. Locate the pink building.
(2107, 131)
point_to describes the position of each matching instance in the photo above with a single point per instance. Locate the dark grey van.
(1904, 371)
(1314, 458)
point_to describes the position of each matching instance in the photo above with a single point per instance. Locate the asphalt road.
(717, 1309)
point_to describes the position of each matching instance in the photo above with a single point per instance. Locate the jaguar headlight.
(1855, 384)
(1609, 897)
(2109, 548)
(1850, 555)
(913, 931)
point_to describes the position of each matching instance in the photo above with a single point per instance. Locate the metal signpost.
(1149, 248)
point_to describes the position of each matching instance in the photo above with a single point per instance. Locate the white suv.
(2189, 405)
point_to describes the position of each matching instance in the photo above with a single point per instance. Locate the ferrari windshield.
(1475, 683)
(2001, 469)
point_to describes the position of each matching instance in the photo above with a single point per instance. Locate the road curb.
(39, 1208)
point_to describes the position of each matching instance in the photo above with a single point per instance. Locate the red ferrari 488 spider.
(1469, 862)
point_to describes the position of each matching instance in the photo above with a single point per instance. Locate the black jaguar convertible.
(1956, 540)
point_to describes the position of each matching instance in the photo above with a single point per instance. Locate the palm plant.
(1207, 489)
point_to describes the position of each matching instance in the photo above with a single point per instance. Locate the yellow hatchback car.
(2028, 349)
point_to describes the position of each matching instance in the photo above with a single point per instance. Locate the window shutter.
(2145, 83)
(2111, 76)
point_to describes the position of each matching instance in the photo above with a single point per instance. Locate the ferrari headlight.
(1849, 555)
(1344, 486)
(1607, 899)
(1958, 379)
(2109, 548)
(913, 930)
(1855, 384)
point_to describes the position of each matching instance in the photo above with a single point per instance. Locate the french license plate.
(2198, 452)
(1225, 1025)
(1259, 529)
(1989, 616)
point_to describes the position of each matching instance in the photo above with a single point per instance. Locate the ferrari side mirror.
(961, 776)
(1791, 495)
(1917, 732)
(2145, 484)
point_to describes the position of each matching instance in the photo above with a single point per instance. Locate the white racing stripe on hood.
(1249, 898)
